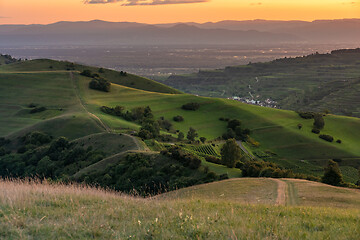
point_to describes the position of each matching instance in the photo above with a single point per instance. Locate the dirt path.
(96, 118)
(281, 192)
(244, 149)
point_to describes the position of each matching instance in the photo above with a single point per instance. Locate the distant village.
(267, 103)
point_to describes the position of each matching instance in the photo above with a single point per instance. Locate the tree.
(319, 122)
(192, 134)
(234, 123)
(230, 153)
(332, 174)
(203, 139)
(181, 136)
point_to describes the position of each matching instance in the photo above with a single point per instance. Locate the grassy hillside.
(316, 82)
(276, 130)
(129, 80)
(73, 110)
(289, 192)
(43, 211)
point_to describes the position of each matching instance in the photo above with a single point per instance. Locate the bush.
(299, 126)
(338, 141)
(4, 141)
(213, 159)
(86, 73)
(233, 124)
(191, 106)
(178, 118)
(203, 139)
(306, 115)
(100, 84)
(326, 137)
(223, 176)
(315, 130)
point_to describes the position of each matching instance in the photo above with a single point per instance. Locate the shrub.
(315, 130)
(165, 124)
(101, 70)
(4, 141)
(229, 134)
(233, 124)
(326, 137)
(100, 84)
(299, 126)
(203, 139)
(191, 106)
(223, 176)
(213, 159)
(178, 118)
(338, 141)
(86, 73)
(306, 115)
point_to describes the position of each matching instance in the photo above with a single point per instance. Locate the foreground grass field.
(43, 211)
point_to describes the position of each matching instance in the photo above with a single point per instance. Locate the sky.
(166, 11)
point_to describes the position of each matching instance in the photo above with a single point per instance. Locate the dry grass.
(322, 195)
(30, 210)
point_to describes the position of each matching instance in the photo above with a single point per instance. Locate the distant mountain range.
(226, 32)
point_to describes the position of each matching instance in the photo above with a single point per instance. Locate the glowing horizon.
(167, 11)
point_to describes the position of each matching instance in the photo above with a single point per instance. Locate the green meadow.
(73, 110)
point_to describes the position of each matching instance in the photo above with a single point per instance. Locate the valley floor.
(220, 210)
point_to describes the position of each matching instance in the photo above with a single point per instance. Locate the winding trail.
(97, 119)
(82, 104)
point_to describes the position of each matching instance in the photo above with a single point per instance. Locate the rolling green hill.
(30, 210)
(316, 82)
(73, 110)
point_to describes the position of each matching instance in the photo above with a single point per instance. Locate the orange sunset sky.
(163, 11)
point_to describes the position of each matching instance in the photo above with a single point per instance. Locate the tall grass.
(30, 210)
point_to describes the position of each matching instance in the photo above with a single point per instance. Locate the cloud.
(144, 2)
(256, 4)
(351, 3)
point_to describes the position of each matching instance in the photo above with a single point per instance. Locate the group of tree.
(192, 106)
(43, 156)
(146, 175)
(235, 130)
(97, 82)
